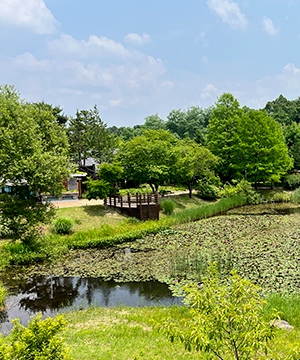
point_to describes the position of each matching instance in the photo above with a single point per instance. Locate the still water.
(50, 295)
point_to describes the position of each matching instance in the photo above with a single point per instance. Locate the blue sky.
(138, 58)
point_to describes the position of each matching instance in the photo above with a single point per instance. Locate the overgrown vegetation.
(39, 341)
(52, 245)
(3, 295)
(224, 319)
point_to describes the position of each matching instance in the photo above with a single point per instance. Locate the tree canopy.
(260, 149)
(222, 132)
(89, 137)
(193, 162)
(148, 158)
(247, 142)
(33, 161)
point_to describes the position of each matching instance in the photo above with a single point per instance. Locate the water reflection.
(52, 294)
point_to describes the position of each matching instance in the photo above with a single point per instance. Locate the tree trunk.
(152, 187)
(190, 190)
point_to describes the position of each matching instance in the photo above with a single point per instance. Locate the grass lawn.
(127, 333)
(89, 217)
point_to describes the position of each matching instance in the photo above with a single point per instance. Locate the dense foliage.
(33, 161)
(224, 318)
(40, 341)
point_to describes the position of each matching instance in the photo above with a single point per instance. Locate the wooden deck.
(140, 206)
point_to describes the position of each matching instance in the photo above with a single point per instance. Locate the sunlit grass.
(126, 333)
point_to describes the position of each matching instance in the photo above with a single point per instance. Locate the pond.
(50, 295)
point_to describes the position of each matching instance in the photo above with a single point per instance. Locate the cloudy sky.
(135, 58)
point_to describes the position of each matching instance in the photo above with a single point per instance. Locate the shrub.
(37, 342)
(244, 189)
(63, 226)
(292, 181)
(295, 197)
(225, 319)
(3, 294)
(168, 206)
(207, 191)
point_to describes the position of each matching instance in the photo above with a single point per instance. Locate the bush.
(63, 226)
(225, 319)
(207, 191)
(3, 294)
(292, 181)
(37, 342)
(168, 206)
(295, 197)
(243, 188)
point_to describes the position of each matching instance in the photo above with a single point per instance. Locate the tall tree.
(222, 131)
(154, 122)
(33, 161)
(292, 139)
(188, 123)
(56, 111)
(89, 137)
(260, 149)
(148, 158)
(283, 110)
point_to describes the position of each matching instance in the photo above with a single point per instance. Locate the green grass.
(288, 305)
(122, 333)
(107, 233)
(127, 333)
(87, 218)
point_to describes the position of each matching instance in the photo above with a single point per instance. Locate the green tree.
(191, 123)
(97, 189)
(154, 122)
(292, 139)
(283, 110)
(193, 162)
(225, 319)
(222, 132)
(148, 158)
(260, 149)
(89, 137)
(56, 111)
(33, 161)
(111, 173)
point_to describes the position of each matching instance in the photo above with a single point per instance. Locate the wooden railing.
(142, 206)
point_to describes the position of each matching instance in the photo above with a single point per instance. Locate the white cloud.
(137, 39)
(208, 92)
(230, 13)
(269, 27)
(31, 14)
(78, 73)
(94, 48)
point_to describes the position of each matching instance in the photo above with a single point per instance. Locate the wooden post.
(114, 201)
(129, 208)
(148, 206)
(109, 200)
(141, 213)
(144, 198)
(122, 205)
